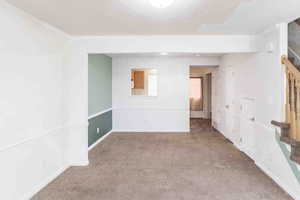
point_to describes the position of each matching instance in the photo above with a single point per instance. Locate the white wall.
(44, 96)
(33, 139)
(257, 77)
(169, 111)
(77, 71)
(44, 93)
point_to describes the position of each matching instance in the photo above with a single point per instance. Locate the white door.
(222, 104)
(247, 126)
(229, 103)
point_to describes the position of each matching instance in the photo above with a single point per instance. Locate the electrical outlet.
(98, 130)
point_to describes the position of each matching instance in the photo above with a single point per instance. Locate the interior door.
(247, 126)
(221, 107)
(229, 103)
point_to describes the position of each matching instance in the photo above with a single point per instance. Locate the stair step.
(295, 152)
(298, 21)
(286, 139)
(295, 146)
(292, 59)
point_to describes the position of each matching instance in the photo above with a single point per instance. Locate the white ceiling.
(128, 17)
(138, 17)
(254, 16)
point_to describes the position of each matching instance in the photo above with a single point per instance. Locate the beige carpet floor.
(201, 165)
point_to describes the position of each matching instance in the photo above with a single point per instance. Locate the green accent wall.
(100, 96)
(100, 83)
(103, 122)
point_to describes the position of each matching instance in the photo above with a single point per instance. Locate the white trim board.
(99, 113)
(277, 180)
(100, 140)
(44, 134)
(152, 131)
(44, 183)
(262, 167)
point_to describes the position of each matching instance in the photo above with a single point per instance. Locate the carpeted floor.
(201, 165)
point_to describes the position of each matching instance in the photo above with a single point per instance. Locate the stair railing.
(292, 107)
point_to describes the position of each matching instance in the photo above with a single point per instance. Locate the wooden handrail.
(290, 66)
(292, 98)
(281, 124)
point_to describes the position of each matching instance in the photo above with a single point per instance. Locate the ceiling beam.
(171, 44)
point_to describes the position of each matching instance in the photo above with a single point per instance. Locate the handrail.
(292, 105)
(280, 124)
(290, 66)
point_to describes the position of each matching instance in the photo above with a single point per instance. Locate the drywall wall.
(248, 92)
(169, 111)
(77, 70)
(33, 120)
(46, 102)
(100, 75)
(99, 126)
(100, 96)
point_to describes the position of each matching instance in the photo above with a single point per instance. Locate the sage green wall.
(100, 96)
(103, 122)
(100, 83)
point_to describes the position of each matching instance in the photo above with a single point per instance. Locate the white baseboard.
(44, 183)
(100, 140)
(152, 131)
(277, 180)
(80, 164)
(99, 113)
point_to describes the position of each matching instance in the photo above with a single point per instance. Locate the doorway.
(200, 97)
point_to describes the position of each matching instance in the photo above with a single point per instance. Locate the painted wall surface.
(294, 42)
(294, 37)
(248, 92)
(100, 83)
(103, 122)
(169, 111)
(46, 102)
(100, 96)
(77, 70)
(33, 120)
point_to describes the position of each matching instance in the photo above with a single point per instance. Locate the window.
(196, 94)
(144, 82)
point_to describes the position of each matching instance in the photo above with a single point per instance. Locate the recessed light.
(164, 53)
(161, 3)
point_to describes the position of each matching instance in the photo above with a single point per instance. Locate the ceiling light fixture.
(161, 3)
(164, 54)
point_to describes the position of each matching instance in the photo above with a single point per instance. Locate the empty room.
(150, 99)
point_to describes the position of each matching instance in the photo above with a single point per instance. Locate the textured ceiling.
(128, 17)
(138, 17)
